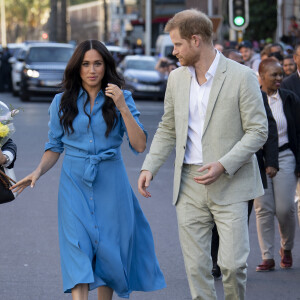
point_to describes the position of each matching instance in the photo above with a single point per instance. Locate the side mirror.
(12, 60)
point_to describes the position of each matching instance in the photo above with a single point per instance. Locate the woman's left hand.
(115, 93)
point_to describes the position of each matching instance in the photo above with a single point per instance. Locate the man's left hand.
(215, 170)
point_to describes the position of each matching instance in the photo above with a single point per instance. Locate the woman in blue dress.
(105, 239)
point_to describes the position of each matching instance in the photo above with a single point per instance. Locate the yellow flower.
(4, 130)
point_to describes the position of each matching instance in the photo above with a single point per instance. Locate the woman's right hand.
(25, 182)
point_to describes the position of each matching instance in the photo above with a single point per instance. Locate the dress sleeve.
(56, 131)
(135, 113)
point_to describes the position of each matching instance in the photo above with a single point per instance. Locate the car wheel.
(24, 95)
(14, 92)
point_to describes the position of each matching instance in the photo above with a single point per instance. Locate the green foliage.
(263, 19)
(73, 2)
(24, 16)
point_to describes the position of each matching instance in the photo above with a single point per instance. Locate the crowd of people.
(236, 132)
(278, 70)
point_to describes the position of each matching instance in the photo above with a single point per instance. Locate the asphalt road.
(29, 252)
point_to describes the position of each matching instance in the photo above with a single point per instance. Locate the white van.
(164, 45)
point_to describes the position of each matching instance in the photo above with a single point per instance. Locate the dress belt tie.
(91, 169)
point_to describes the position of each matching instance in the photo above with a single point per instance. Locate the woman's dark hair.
(72, 83)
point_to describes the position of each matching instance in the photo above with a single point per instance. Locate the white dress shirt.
(276, 106)
(199, 96)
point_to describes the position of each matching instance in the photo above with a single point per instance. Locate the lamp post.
(3, 24)
(148, 32)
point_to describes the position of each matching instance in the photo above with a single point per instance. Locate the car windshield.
(50, 54)
(141, 64)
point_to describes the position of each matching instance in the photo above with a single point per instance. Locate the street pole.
(148, 32)
(53, 21)
(121, 41)
(3, 24)
(279, 31)
(209, 8)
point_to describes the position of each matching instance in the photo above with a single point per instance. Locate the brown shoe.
(266, 266)
(286, 258)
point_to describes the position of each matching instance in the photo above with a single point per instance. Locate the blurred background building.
(124, 21)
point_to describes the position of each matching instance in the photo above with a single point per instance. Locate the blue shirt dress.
(104, 236)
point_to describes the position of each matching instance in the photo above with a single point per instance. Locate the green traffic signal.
(239, 21)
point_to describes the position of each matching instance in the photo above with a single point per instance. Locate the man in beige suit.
(214, 116)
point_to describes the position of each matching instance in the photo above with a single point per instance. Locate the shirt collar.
(212, 69)
(275, 96)
(82, 91)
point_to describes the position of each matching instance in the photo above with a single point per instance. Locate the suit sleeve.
(165, 137)
(297, 123)
(253, 121)
(12, 148)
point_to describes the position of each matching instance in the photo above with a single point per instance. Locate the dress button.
(92, 212)
(96, 242)
(91, 141)
(91, 198)
(96, 226)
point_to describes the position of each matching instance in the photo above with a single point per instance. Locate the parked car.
(16, 69)
(164, 46)
(117, 52)
(43, 66)
(141, 78)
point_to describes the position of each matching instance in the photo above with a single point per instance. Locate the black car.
(141, 78)
(43, 68)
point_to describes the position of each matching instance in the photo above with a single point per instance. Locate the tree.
(25, 19)
(263, 20)
(74, 2)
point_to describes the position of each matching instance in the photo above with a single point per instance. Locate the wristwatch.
(7, 159)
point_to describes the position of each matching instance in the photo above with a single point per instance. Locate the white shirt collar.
(212, 69)
(275, 96)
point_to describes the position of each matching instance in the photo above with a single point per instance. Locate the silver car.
(141, 78)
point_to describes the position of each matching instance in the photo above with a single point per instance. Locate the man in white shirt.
(214, 116)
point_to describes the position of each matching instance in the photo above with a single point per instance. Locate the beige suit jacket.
(235, 128)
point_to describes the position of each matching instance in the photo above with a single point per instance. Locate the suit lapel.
(184, 97)
(218, 80)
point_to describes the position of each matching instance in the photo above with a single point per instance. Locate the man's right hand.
(144, 182)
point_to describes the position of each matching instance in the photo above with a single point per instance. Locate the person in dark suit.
(292, 82)
(278, 199)
(8, 154)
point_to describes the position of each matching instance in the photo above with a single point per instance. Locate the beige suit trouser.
(279, 201)
(196, 214)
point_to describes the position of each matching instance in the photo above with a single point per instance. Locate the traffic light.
(238, 14)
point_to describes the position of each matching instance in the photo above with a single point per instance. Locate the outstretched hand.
(29, 180)
(144, 183)
(215, 169)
